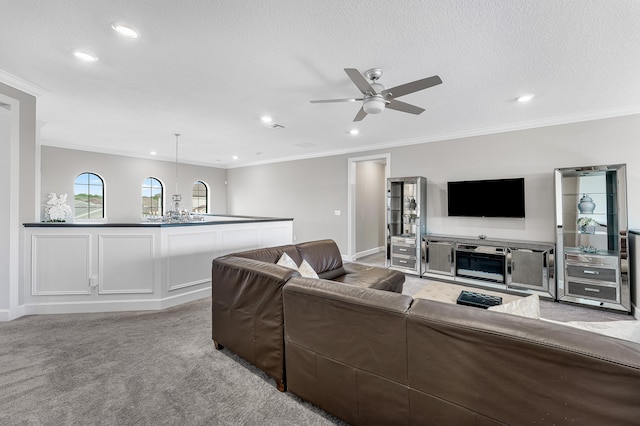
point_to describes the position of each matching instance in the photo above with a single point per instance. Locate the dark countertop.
(222, 221)
(535, 245)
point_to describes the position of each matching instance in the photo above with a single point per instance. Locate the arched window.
(152, 194)
(200, 197)
(88, 191)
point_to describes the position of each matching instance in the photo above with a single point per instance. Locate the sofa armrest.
(246, 311)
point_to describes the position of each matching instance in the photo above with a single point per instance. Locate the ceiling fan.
(376, 98)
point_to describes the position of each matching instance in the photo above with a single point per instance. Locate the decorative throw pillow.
(525, 307)
(305, 269)
(625, 330)
(286, 261)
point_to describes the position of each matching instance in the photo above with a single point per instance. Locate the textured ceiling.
(210, 69)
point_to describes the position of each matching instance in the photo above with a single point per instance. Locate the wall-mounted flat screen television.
(486, 198)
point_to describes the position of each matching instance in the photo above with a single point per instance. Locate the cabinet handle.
(401, 249)
(402, 261)
(594, 290)
(586, 271)
(513, 266)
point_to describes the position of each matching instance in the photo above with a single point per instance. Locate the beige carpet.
(444, 292)
(548, 309)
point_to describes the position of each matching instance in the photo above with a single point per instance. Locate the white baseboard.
(5, 314)
(370, 252)
(114, 306)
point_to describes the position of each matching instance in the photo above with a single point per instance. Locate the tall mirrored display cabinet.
(591, 236)
(406, 222)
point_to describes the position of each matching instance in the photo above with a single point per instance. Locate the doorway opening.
(366, 205)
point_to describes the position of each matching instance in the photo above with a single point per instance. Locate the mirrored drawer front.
(403, 240)
(590, 272)
(403, 262)
(406, 250)
(591, 259)
(593, 291)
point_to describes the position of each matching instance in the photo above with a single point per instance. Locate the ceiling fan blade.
(360, 115)
(361, 82)
(404, 107)
(414, 86)
(322, 101)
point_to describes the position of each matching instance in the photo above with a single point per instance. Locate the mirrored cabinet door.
(591, 236)
(406, 222)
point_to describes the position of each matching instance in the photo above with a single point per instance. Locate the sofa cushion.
(322, 255)
(271, 254)
(372, 277)
(491, 363)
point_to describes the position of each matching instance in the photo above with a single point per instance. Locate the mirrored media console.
(517, 266)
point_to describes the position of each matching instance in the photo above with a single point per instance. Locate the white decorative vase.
(586, 204)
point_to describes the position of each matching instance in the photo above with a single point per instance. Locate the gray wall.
(370, 205)
(20, 200)
(27, 131)
(123, 177)
(310, 190)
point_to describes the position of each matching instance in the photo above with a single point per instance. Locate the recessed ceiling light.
(354, 131)
(266, 119)
(525, 98)
(124, 30)
(235, 157)
(85, 56)
(153, 153)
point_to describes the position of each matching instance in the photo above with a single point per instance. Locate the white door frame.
(351, 197)
(13, 204)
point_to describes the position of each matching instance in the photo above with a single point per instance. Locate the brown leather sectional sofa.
(372, 357)
(247, 312)
(381, 357)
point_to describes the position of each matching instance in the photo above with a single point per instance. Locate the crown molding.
(512, 127)
(20, 84)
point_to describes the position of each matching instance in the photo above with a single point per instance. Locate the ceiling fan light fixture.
(374, 104)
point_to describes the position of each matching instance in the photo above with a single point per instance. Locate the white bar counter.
(88, 267)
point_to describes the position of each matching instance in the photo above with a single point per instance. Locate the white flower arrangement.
(58, 209)
(586, 221)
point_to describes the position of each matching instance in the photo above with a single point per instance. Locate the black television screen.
(486, 198)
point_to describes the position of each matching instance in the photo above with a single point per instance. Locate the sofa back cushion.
(346, 350)
(323, 256)
(272, 254)
(519, 370)
(360, 327)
